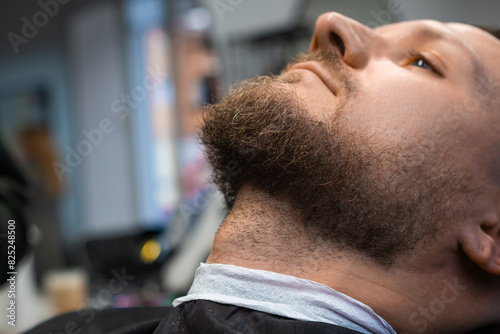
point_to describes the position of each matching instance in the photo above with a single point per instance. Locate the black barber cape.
(199, 316)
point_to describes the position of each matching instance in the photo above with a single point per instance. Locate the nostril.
(336, 40)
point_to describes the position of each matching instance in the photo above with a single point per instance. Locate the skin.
(450, 99)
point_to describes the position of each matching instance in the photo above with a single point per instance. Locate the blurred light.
(150, 251)
(197, 19)
(124, 301)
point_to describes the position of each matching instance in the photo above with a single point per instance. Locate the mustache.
(330, 60)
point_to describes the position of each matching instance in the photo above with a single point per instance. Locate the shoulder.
(137, 320)
(199, 316)
(208, 317)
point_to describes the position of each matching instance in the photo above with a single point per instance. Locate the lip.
(325, 76)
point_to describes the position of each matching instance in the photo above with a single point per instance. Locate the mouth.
(325, 76)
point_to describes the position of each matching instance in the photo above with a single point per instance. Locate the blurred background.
(100, 167)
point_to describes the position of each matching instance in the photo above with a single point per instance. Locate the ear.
(481, 242)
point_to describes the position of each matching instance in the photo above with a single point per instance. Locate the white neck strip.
(282, 295)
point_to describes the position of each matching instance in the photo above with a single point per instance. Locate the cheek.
(397, 110)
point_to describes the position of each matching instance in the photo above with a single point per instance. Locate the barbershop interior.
(103, 179)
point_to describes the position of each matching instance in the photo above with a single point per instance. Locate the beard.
(358, 194)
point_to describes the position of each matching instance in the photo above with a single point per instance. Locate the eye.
(415, 58)
(421, 62)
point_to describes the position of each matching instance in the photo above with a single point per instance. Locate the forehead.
(484, 45)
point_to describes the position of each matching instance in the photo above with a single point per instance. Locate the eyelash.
(415, 55)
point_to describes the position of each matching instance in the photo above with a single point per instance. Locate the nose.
(353, 39)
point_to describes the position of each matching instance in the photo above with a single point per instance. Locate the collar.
(282, 295)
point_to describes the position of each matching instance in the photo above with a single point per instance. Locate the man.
(363, 188)
(363, 184)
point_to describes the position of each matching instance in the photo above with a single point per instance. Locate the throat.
(262, 232)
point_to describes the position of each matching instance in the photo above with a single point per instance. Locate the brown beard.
(378, 201)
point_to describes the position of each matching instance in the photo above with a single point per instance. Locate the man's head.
(381, 139)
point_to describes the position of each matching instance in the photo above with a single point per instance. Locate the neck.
(262, 232)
